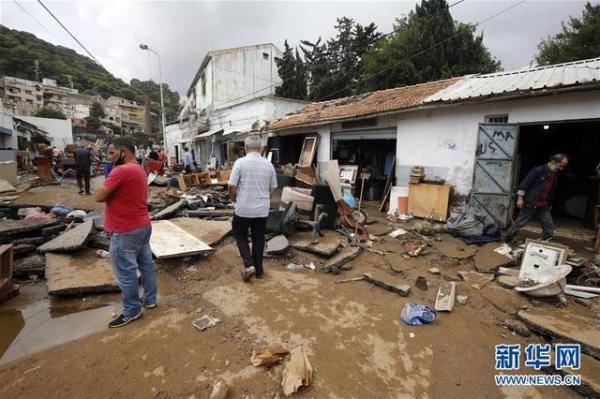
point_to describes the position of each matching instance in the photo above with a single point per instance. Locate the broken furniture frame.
(194, 179)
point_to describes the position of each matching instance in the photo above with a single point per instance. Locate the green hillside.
(19, 50)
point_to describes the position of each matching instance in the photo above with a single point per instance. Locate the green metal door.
(493, 176)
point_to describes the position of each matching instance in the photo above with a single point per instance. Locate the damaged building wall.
(60, 130)
(444, 140)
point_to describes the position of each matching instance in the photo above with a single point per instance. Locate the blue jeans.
(130, 252)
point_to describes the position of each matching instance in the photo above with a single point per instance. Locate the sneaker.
(248, 273)
(80, 191)
(123, 320)
(150, 305)
(260, 276)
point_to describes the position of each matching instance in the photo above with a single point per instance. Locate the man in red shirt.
(125, 192)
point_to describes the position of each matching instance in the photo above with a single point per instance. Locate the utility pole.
(162, 102)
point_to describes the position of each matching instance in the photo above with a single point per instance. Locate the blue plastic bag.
(416, 314)
(61, 210)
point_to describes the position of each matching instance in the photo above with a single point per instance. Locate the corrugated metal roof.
(575, 73)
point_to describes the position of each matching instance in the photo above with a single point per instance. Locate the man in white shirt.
(188, 160)
(251, 184)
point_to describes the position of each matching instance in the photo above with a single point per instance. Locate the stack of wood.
(417, 174)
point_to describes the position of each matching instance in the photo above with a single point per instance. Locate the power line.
(69, 32)
(403, 59)
(38, 22)
(425, 50)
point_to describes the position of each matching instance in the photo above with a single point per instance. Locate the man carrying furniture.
(251, 184)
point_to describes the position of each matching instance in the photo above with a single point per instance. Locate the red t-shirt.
(127, 206)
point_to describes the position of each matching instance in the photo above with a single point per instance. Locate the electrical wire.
(425, 50)
(506, 9)
(35, 19)
(69, 32)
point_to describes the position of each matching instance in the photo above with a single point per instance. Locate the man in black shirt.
(83, 162)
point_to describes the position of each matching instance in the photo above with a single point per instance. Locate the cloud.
(183, 31)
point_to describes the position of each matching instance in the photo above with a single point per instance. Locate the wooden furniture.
(6, 261)
(429, 201)
(194, 179)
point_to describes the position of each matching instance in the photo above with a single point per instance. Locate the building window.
(203, 83)
(277, 59)
(266, 56)
(496, 118)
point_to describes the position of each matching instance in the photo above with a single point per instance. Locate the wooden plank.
(170, 241)
(332, 175)
(388, 185)
(6, 261)
(429, 201)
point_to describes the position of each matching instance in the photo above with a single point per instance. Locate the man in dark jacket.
(83, 162)
(534, 198)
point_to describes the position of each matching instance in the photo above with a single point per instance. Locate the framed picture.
(348, 173)
(309, 148)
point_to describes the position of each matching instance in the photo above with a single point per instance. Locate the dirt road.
(351, 332)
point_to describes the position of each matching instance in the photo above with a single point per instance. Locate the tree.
(426, 45)
(336, 67)
(47, 112)
(579, 39)
(293, 74)
(93, 122)
(97, 111)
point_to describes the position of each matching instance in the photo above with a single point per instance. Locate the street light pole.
(162, 101)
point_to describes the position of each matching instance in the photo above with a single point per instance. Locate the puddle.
(32, 321)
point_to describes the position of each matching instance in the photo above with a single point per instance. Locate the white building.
(60, 132)
(478, 133)
(231, 94)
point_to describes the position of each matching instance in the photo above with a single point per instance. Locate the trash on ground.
(421, 283)
(297, 372)
(434, 270)
(220, 390)
(269, 356)
(102, 253)
(416, 314)
(300, 266)
(462, 299)
(387, 282)
(205, 322)
(398, 232)
(504, 249)
(444, 301)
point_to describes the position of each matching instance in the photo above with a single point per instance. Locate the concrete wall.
(59, 129)
(444, 139)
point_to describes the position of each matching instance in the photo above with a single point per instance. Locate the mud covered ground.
(351, 332)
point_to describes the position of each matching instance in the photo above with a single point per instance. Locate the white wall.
(444, 139)
(59, 129)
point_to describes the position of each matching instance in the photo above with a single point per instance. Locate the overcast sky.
(183, 31)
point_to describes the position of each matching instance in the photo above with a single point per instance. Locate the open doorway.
(372, 156)
(578, 187)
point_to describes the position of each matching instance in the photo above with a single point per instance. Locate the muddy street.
(351, 332)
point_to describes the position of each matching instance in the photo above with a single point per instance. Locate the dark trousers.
(542, 215)
(258, 228)
(83, 176)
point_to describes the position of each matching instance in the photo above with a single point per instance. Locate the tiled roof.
(362, 105)
(577, 73)
(522, 81)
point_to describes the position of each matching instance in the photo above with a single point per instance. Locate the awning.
(230, 131)
(207, 134)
